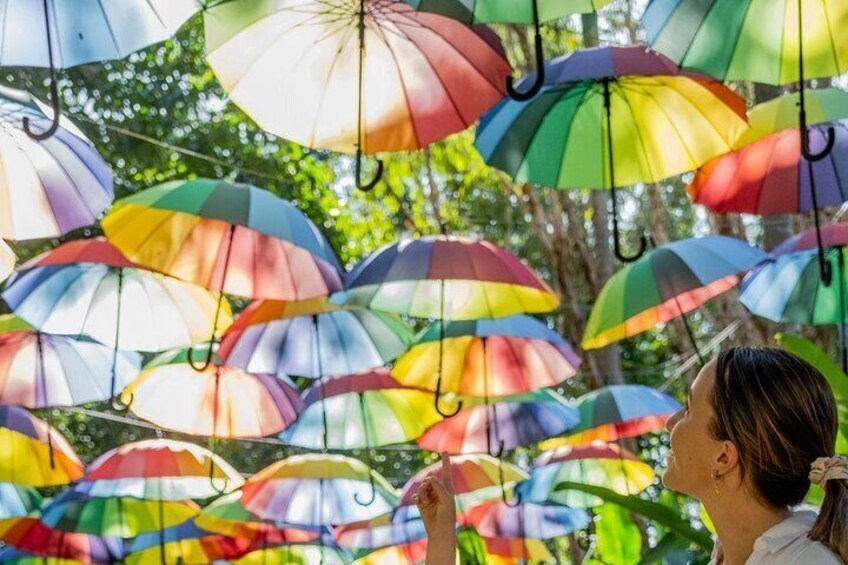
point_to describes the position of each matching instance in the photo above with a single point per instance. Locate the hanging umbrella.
(30, 535)
(476, 478)
(219, 401)
(379, 532)
(7, 260)
(598, 464)
(751, 40)
(313, 338)
(447, 278)
(611, 117)
(63, 34)
(17, 500)
(186, 544)
(47, 187)
(14, 556)
(86, 287)
(527, 12)
(527, 520)
(362, 76)
(405, 554)
(32, 453)
(301, 553)
(787, 287)
(159, 469)
(116, 517)
(504, 551)
(361, 411)
(670, 281)
(615, 412)
(317, 489)
(39, 370)
(520, 420)
(228, 237)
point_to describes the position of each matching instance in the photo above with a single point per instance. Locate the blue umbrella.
(59, 34)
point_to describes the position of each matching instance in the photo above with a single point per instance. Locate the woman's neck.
(738, 522)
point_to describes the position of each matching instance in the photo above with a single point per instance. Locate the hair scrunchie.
(824, 469)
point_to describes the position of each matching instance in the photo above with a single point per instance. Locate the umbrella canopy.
(516, 421)
(17, 500)
(86, 287)
(369, 75)
(219, 401)
(186, 544)
(539, 521)
(228, 237)
(313, 338)
(301, 553)
(39, 370)
(754, 40)
(159, 469)
(406, 554)
(476, 478)
(7, 260)
(379, 532)
(615, 412)
(317, 489)
(121, 517)
(47, 187)
(30, 535)
(767, 173)
(16, 557)
(666, 283)
(361, 411)
(507, 11)
(446, 277)
(598, 463)
(32, 453)
(485, 358)
(503, 551)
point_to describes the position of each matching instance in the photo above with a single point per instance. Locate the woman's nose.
(672, 421)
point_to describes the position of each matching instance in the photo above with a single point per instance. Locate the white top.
(787, 544)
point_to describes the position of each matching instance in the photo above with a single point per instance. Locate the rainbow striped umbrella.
(7, 260)
(51, 186)
(527, 520)
(361, 76)
(610, 117)
(29, 535)
(505, 551)
(666, 283)
(313, 338)
(38, 370)
(598, 463)
(317, 489)
(87, 287)
(159, 469)
(379, 532)
(361, 411)
(511, 422)
(227, 237)
(32, 453)
(615, 412)
(218, 402)
(301, 553)
(14, 556)
(405, 554)
(17, 500)
(186, 544)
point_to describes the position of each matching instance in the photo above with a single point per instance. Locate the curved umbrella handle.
(119, 405)
(506, 501)
(809, 155)
(206, 362)
(499, 451)
(223, 489)
(540, 74)
(616, 236)
(367, 187)
(438, 396)
(373, 496)
(57, 113)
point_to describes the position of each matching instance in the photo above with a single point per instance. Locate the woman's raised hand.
(435, 501)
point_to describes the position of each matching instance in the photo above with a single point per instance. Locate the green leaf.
(660, 514)
(470, 546)
(619, 539)
(666, 545)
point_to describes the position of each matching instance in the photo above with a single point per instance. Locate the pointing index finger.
(447, 477)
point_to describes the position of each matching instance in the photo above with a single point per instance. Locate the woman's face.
(694, 451)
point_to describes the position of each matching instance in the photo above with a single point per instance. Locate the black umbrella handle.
(809, 155)
(55, 103)
(540, 65)
(513, 503)
(378, 175)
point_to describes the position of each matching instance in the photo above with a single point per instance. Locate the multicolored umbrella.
(219, 401)
(38, 370)
(598, 463)
(228, 237)
(476, 479)
(510, 422)
(17, 500)
(615, 412)
(361, 411)
(116, 517)
(527, 520)
(32, 453)
(370, 75)
(159, 469)
(47, 187)
(186, 544)
(13, 556)
(7, 261)
(317, 489)
(53, 35)
(87, 287)
(406, 554)
(379, 532)
(528, 12)
(668, 282)
(610, 117)
(504, 551)
(313, 338)
(301, 553)
(30, 535)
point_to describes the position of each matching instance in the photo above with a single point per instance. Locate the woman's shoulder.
(788, 543)
(818, 553)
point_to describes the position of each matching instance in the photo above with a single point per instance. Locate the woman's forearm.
(441, 548)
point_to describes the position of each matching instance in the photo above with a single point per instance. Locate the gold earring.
(715, 480)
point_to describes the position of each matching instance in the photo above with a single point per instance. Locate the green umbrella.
(527, 12)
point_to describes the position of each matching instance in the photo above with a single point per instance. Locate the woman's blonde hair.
(780, 413)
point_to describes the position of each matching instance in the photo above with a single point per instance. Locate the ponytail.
(831, 527)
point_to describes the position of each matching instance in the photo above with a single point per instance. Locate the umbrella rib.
(835, 169)
(830, 37)
(109, 27)
(583, 100)
(638, 130)
(71, 183)
(335, 61)
(673, 124)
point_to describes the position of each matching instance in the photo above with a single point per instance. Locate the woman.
(758, 428)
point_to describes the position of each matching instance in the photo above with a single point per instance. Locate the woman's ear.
(728, 458)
